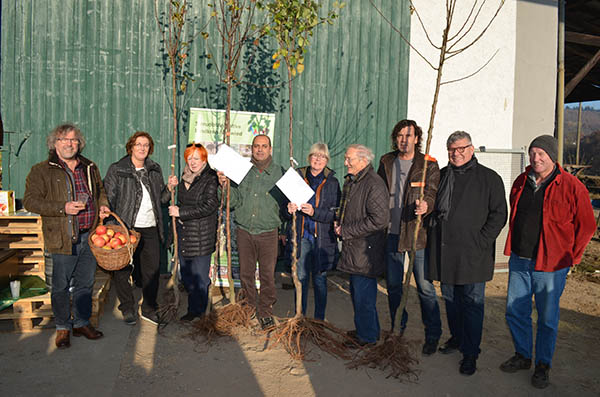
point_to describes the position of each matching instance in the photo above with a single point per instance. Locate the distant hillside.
(590, 140)
(590, 121)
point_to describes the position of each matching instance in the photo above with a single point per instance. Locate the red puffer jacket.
(568, 221)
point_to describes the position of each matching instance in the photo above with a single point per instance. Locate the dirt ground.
(132, 361)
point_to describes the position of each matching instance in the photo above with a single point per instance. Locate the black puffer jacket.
(461, 248)
(197, 222)
(364, 224)
(124, 192)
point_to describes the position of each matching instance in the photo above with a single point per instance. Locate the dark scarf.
(142, 177)
(444, 195)
(262, 165)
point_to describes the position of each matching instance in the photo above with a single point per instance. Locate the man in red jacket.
(551, 223)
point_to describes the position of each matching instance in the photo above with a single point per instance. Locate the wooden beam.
(582, 38)
(582, 73)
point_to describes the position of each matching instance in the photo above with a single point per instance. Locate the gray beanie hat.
(548, 144)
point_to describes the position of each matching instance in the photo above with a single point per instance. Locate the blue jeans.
(363, 291)
(523, 283)
(430, 309)
(77, 269)
(464, 308)
(307, 266)
(194, 275)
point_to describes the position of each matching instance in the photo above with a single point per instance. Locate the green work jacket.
(257, 202)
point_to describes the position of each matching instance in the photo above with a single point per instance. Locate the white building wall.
(507, 103)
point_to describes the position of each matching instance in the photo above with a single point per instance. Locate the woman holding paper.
(196, 213)
(317, 244)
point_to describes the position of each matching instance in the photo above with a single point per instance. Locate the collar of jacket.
(269, 169)
(389, 158)
(126, 163)
(326, 172)
(557, 179)
(361, 174)
(53, 160)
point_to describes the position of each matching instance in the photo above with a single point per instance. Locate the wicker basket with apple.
(113, 245)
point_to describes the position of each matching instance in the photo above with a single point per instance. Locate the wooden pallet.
(22, 233)
(35, 313)
(99, 296)
(26, 313)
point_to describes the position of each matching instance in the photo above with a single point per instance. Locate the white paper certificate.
(227, 160)
(294, 187)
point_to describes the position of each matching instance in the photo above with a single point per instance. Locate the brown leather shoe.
(63, 338)
(88, 331)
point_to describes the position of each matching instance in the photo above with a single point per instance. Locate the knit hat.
(548, 144)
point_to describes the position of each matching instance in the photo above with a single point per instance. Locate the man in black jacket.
(362, 219)
(470, 211)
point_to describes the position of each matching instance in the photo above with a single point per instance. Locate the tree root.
(223, 321)
(392, 354)
(295, 333)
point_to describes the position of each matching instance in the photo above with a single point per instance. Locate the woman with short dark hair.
(136, 189)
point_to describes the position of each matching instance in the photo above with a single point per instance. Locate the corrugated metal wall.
(98, 63)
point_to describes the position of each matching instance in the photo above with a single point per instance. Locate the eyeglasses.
(319, 156)
(68, 140)
(460, 149)
(142, 145)
(194, 145)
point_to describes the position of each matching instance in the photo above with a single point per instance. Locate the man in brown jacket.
(402, 171)
(361, 222)
(66, 190)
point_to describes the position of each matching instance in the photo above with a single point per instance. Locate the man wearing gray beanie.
(551, 223)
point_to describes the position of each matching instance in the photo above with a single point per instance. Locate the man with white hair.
(362, 220)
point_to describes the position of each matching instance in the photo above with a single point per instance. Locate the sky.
(593, 104)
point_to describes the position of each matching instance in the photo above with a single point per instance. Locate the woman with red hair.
(196, 213)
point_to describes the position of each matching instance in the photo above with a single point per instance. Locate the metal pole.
(578, 134)
(560, 95)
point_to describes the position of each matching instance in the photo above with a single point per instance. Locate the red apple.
(105, 237)
(132, 238)
(99, 242)
(110, 233)
(115, 243)
(101, 230)
(122, 238)
(107, 247)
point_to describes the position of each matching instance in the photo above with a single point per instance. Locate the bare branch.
(466, 21)
(472, 74)
(422, 26)
(466, 32)
(402, 36)
(476, 39)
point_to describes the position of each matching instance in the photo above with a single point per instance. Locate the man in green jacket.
(258, 207)
(67, 191)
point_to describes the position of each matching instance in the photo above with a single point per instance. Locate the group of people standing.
(460, 211)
